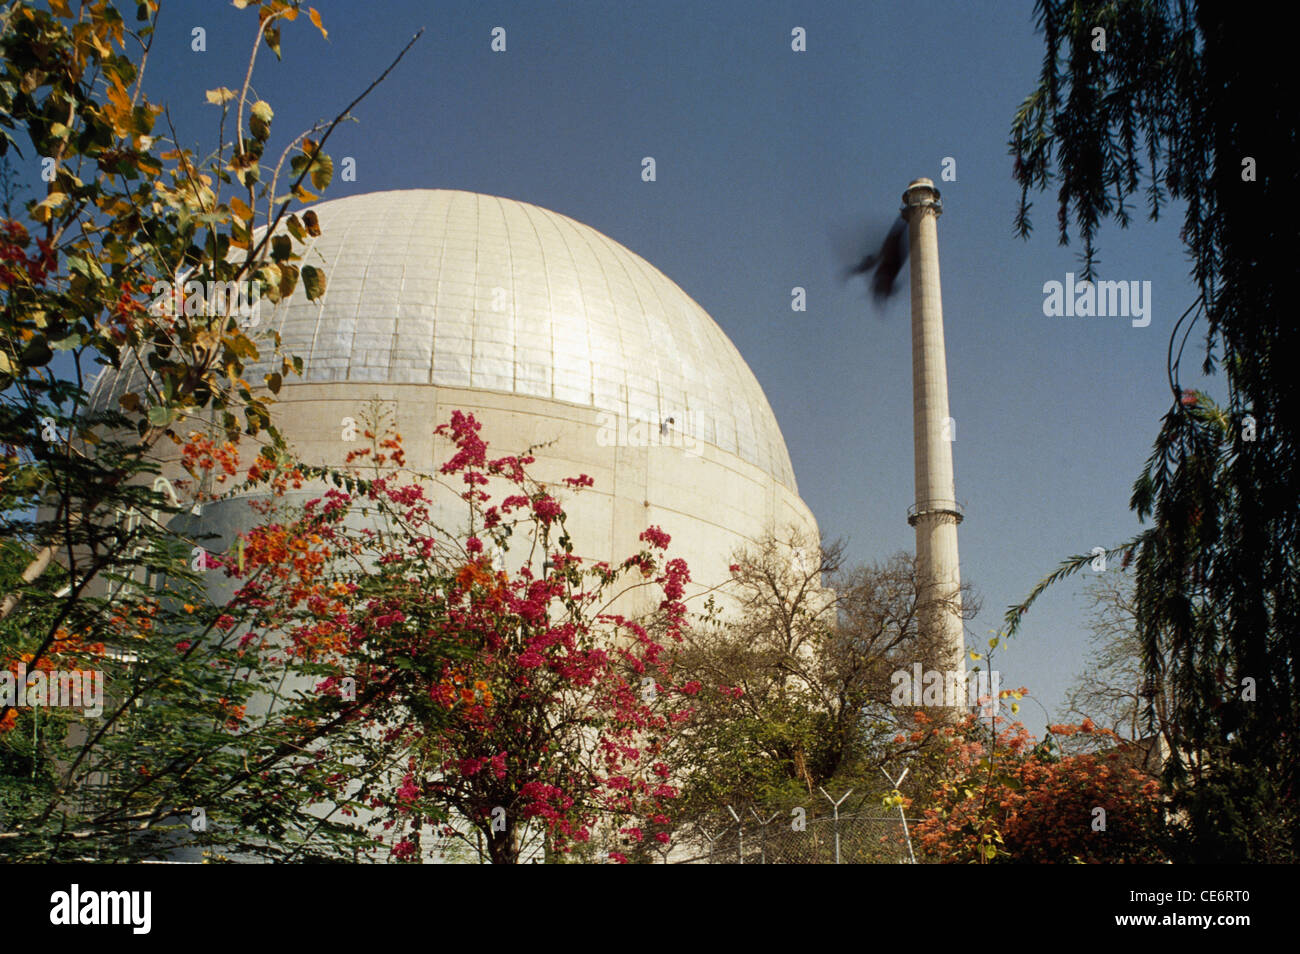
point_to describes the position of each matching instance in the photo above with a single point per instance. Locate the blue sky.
(762, 155)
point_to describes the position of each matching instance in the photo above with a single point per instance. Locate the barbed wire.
(848, 839)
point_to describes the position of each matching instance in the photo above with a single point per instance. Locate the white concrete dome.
(456, 289)
(545, 330)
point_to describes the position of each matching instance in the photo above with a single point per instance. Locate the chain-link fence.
(793, 839)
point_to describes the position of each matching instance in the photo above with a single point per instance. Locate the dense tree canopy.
(1178, 103)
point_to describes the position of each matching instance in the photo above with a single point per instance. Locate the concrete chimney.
(935, 514)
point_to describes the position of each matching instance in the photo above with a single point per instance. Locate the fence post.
(901, 814)
(740, 835)
(836, 805)
(762, 827)
(711, 841)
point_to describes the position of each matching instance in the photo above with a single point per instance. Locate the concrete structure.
(935, 514)
(551, 334)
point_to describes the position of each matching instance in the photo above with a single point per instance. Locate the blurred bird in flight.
(886, 262)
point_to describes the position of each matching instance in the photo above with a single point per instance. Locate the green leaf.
(288, 280)
(313, 281)
(322, 171)
(160, 416)
(260, 120)
(272, 35)
(270, 276)
(37, 354)
(281, 248)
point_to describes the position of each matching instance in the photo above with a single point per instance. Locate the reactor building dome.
(554, 336)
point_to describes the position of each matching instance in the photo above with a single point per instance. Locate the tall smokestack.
(935, 514)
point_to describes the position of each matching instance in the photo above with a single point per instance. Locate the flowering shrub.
(1007, 799)
(509, 699)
